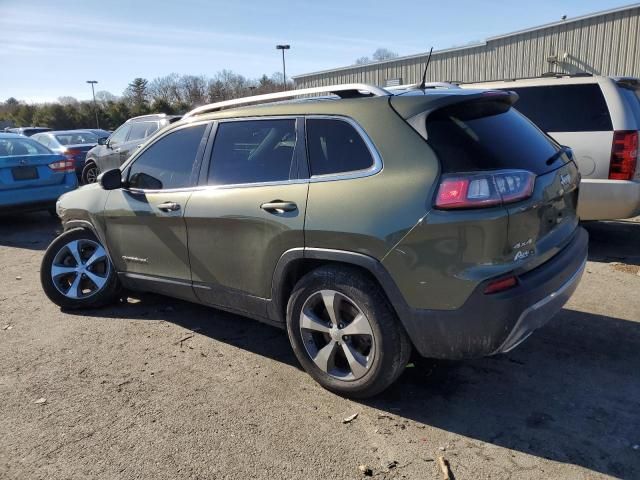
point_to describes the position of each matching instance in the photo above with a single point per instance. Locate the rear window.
(77, 138)
(565, 108)
(488, 136)
(21, 146)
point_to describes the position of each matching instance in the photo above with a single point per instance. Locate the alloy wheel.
(80, 269)
(337, 335)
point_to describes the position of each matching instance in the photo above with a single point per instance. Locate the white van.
(599, 118)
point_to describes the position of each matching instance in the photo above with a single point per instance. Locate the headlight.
(59, 209)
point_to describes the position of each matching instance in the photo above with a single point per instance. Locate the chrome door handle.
(169, 207)
(278, 206)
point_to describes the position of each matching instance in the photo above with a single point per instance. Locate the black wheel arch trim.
(288, 260)
(77, 223)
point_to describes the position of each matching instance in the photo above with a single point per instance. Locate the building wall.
(606, 44)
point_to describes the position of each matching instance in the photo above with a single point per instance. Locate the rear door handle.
(278, 206)
(169, 207)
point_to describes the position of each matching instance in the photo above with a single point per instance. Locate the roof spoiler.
(410, 106)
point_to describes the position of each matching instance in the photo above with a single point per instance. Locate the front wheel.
(345, 333)
(89, 173)
(76, 272)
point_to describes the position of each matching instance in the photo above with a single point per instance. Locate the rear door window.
(334, 146)
(565, 108)
(253, 151)
(478, 136)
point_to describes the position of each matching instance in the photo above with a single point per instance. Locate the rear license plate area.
(24, 173)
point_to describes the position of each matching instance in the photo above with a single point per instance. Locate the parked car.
(73, 144)
(100, 133)
(599, 118)
(441, 221)
(112, 152)
(27, 131)
(32, 177)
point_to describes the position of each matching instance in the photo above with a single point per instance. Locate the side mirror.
(103, 140)
(111, 179)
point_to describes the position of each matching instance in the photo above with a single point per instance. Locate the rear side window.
(252, 151)
(334, 146)
(565, 108)
(488, 136)
(632, 99)
(168, 163)
(141, 130)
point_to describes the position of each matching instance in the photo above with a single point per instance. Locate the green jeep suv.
(365, 222)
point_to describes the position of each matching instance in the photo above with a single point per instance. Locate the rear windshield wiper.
(559, 153)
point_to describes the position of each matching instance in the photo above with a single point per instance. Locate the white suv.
(599, 118)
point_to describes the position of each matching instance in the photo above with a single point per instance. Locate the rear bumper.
(608, 199)
(35, 198)
(490, 324)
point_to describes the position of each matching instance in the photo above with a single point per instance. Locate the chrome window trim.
(374, 169)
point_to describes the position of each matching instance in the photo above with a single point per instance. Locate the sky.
(49, 48)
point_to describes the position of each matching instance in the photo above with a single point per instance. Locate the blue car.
(73, 144)
(32, 177)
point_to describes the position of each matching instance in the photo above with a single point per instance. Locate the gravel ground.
(155, 388)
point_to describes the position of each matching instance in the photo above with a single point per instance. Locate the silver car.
(599, 118)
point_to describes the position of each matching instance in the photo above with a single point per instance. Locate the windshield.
(10, 147)
(76, 138)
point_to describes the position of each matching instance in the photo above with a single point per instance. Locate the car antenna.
(423, 84)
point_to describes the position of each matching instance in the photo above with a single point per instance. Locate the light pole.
(95, 107)
(284, 69)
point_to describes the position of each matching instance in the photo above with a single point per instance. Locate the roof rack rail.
(416, 86)
(350, 90)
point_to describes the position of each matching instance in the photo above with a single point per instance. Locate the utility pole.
(95, 106)
(284, 69)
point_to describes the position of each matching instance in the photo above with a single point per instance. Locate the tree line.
(171, 94)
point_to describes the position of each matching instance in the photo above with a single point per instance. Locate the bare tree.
(383, 54)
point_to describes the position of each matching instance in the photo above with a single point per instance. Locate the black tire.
(89, 173)
(102, 296)
(392, 345)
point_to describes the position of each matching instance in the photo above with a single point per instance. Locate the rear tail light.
(624, 155)
(476, 190)
(501, 285)
(62, 166)
(71, 154)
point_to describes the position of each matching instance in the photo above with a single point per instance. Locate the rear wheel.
(344, 332)
(90, 173)
(76, 272)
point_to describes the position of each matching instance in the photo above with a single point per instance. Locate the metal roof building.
(605, 43)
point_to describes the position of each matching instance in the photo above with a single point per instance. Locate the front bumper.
(490, 324)
(608, 199)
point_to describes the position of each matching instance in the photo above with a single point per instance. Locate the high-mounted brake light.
(624, 155)
(476, 190)
(62, 166)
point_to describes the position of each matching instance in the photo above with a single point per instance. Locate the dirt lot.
(160, 389)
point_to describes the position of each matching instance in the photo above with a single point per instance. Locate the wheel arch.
(295, 263)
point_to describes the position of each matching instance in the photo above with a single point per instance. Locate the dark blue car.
(73, 144)
(32, 177)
